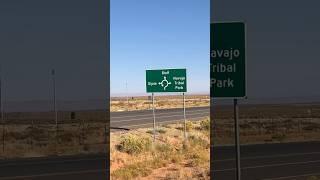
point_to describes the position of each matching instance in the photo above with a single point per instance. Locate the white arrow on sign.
(164, 83)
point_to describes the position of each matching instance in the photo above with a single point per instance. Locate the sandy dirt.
(184, 161)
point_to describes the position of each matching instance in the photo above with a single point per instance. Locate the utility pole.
(53, 73)
(127, 96)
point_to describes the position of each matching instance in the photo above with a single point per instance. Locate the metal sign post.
(53, 73)
(2, 110)
(1, 104)
(184, 116)
(163, 81)
(213, 130)
(228, 70)
(149, 99)
(237, 139)
(54, 97)
(154, 119)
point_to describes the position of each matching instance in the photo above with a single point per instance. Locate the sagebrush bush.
(163, 148)
(279, 136)
(132, 171)
(195, 141)
(132, 144)
(149, 131)
(160, 131)
(189, 125)
(205, 124)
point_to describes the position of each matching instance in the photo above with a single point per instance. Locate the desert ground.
(161, 102)
(315, 177)
(134, 155)
(36, 135)
(267, 123)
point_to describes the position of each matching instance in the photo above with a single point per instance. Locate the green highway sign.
(228, 60)
(166, 80)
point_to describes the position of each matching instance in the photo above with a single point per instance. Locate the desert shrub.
(189, 126)
(166, 153)
(121, 103)
(174, 175)
(16, 135)
(181, 128)
(279, 136)
(149, 131)
(37, 133)
(133, 144)
(162, 103)
(161, 131)
(198, 158)
(140, 169)
(131, 171)
(313, 178)
(163, 147)
(205, 124)
(196, 151)
(197, 141)
(176, 156)
(311, 127)
(167, 126)
(157, 162)
(66, 137)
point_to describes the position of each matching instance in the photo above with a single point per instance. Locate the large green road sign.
(166, 80)
(228, 60)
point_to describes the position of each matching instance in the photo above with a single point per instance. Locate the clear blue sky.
(153, 34)
(283, 45)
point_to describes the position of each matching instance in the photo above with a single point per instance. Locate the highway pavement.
(138, 119)
(259, 162)
(285, 161)
(82, 167)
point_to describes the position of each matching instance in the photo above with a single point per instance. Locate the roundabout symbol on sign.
(164, 83)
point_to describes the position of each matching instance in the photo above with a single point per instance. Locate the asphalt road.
(259, 162)
(138, 119)
(269, 161)
(63, 168)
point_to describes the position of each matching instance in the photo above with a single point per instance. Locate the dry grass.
(313, 178)
(268, 123)
(43, 140)
(254, 131)
(170, 157)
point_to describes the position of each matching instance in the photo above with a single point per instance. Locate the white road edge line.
(290, 177)
(269, 165)
(5, 164)
(54, 174)
(270, 156)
